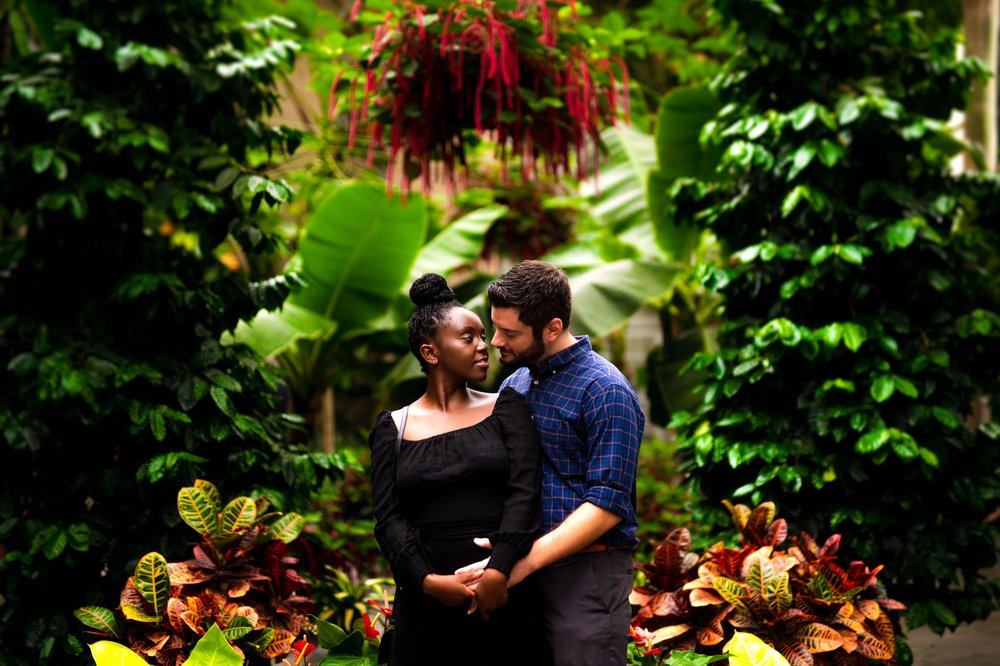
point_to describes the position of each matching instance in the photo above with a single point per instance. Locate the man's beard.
(527, 359)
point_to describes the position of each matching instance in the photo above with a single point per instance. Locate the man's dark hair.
(434, 299)
(539, 291)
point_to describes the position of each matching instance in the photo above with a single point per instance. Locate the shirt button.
(535, 382)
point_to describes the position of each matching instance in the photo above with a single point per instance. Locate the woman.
(467, 463)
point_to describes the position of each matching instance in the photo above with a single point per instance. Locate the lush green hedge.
(861, 324)
(131, 143)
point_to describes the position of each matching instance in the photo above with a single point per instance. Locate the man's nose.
(496, 340)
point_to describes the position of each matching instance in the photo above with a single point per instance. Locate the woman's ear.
(552, 330)
(429, 353)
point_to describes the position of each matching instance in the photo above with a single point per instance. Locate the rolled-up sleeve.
(521, 518)
(395, 536)
(614, 424)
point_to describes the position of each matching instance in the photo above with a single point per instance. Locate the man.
(590, 425)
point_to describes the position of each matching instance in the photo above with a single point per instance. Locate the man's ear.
(429, 353)
(552, 330)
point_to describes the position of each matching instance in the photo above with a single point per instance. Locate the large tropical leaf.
(273, 332)
(679, 153)
(618, 192)
(153, 581)
(358, 248)
(607, 295)
(459, 243)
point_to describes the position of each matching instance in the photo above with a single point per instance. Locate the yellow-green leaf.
(286, 528)
(748, 650)
(139, 615)
(198, 510)
(730, 590)
(239, 514)
(152, 580)
(99, 618)
(109, 653)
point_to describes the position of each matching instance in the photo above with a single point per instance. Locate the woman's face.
(461, 346)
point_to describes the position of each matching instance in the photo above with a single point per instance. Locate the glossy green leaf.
(882, 388)
(854, 335)
(905, 386)
(873, 440)
(99, 618)
(213, 649)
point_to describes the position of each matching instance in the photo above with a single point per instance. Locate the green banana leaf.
(358, 249)
(356, 254)
(274, 331)
(458, 244)
(607, 295)
(619, 190)
(683, 113)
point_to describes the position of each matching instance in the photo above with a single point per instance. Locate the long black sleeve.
(395, 536)
(522, 500)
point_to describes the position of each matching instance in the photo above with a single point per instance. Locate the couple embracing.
(508, 519)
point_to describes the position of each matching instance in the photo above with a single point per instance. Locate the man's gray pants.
(587, 612)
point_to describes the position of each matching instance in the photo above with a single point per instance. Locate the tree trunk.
(325, 429)
(980, 22)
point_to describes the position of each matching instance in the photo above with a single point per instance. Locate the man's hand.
(451, 590)
(491, 592)
(477, 568)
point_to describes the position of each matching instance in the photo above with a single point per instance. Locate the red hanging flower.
(438, 74)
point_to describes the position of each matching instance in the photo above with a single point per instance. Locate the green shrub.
(861, 326)
(134, 149)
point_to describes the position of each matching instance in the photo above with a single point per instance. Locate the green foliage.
(211, 650)
(860, 326)
(799, 600)
(238, 581)
(133, 146)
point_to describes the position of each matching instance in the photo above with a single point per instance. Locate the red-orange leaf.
(795, 653)
(873, 648)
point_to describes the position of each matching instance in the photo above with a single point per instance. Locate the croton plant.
(800, 599)
(520, 73)
(239, 578)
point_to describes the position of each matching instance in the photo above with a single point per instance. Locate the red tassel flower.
(440, 74)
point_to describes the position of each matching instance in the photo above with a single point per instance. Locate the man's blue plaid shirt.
(590, 424)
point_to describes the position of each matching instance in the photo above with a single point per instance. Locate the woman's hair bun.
(430, 288)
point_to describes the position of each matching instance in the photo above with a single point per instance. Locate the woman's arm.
(395, 536)
(397, 539)
(521, 518)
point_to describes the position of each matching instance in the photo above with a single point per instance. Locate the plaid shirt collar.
(562, 359)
